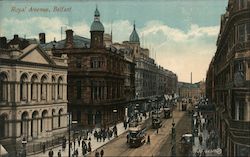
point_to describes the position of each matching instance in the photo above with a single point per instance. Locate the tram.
(167, 112)
(156, 118)
(136, 135)
(186, 144)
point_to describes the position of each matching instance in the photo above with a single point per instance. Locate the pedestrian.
(95, 134)
(70, 145)
(203, 154)
(96, 153)
(197, 154)
(157, 130)
(51, 153)
(89, 147)
(79, 142)
(127, 137)
(200, 139)
(76, 152)
(148, 139)
(102, 153)
(59, 154)
(84, 151)
(74, 143)
(43, 148)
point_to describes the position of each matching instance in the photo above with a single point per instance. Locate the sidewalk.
(94, 144)
(203, 146)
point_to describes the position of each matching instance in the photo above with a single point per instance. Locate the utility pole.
(173, 151)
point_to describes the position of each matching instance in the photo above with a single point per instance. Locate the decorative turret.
(134, 37)
(97, 31)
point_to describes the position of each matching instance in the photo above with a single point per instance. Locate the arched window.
(33, 87)
(3, 87)
(59, 117)
(4, 126)
(23, 87)
(53, 88)
(60, 88)
(43, 88)
(44, 121)
(24, 124)
(34, 124)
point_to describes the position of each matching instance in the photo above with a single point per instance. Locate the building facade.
(33, 97)
(191, 90)
(230, 71)
(151, 80)
(100, 77)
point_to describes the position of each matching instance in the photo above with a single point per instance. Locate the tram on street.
(136, 135)
(167, 112)
(157, 118)
(186, 144)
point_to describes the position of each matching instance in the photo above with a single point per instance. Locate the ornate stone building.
(151, 80)
(33, 97)
(100, 77)
(230, 71)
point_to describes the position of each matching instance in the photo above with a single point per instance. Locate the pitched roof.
(78, 42)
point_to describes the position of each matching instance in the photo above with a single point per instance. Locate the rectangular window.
(244, 32)
(97, 62)
(248, 31)
(242, 4)
(241, 35)
(78, 89)
(241, 110)
(78, 63)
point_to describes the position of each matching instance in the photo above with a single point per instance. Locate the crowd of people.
(210, 141)
(103, 133)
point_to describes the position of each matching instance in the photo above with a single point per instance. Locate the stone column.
(64, 92)
(39, 92)
(29, 130)
(39, 127)
(29, 92)
(48, 93)
(56, 91)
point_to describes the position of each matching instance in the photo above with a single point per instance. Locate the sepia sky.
(181, 34)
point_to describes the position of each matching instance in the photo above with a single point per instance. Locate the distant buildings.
(33, 97)
(228, 79)
(151, 80)
(191, 90)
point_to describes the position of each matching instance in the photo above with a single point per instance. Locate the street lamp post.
(173, 139)
(115, 111)
(24, 142)
(70, 125)
(69, 132)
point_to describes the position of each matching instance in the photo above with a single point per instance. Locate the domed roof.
(96, 24)
(134, 37)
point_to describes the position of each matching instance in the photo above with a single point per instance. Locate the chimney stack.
(3, 42)
(42, 39)
(15, 37)
(69, 38)
(191, 78)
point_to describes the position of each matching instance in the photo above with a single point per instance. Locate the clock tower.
(97, 31)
